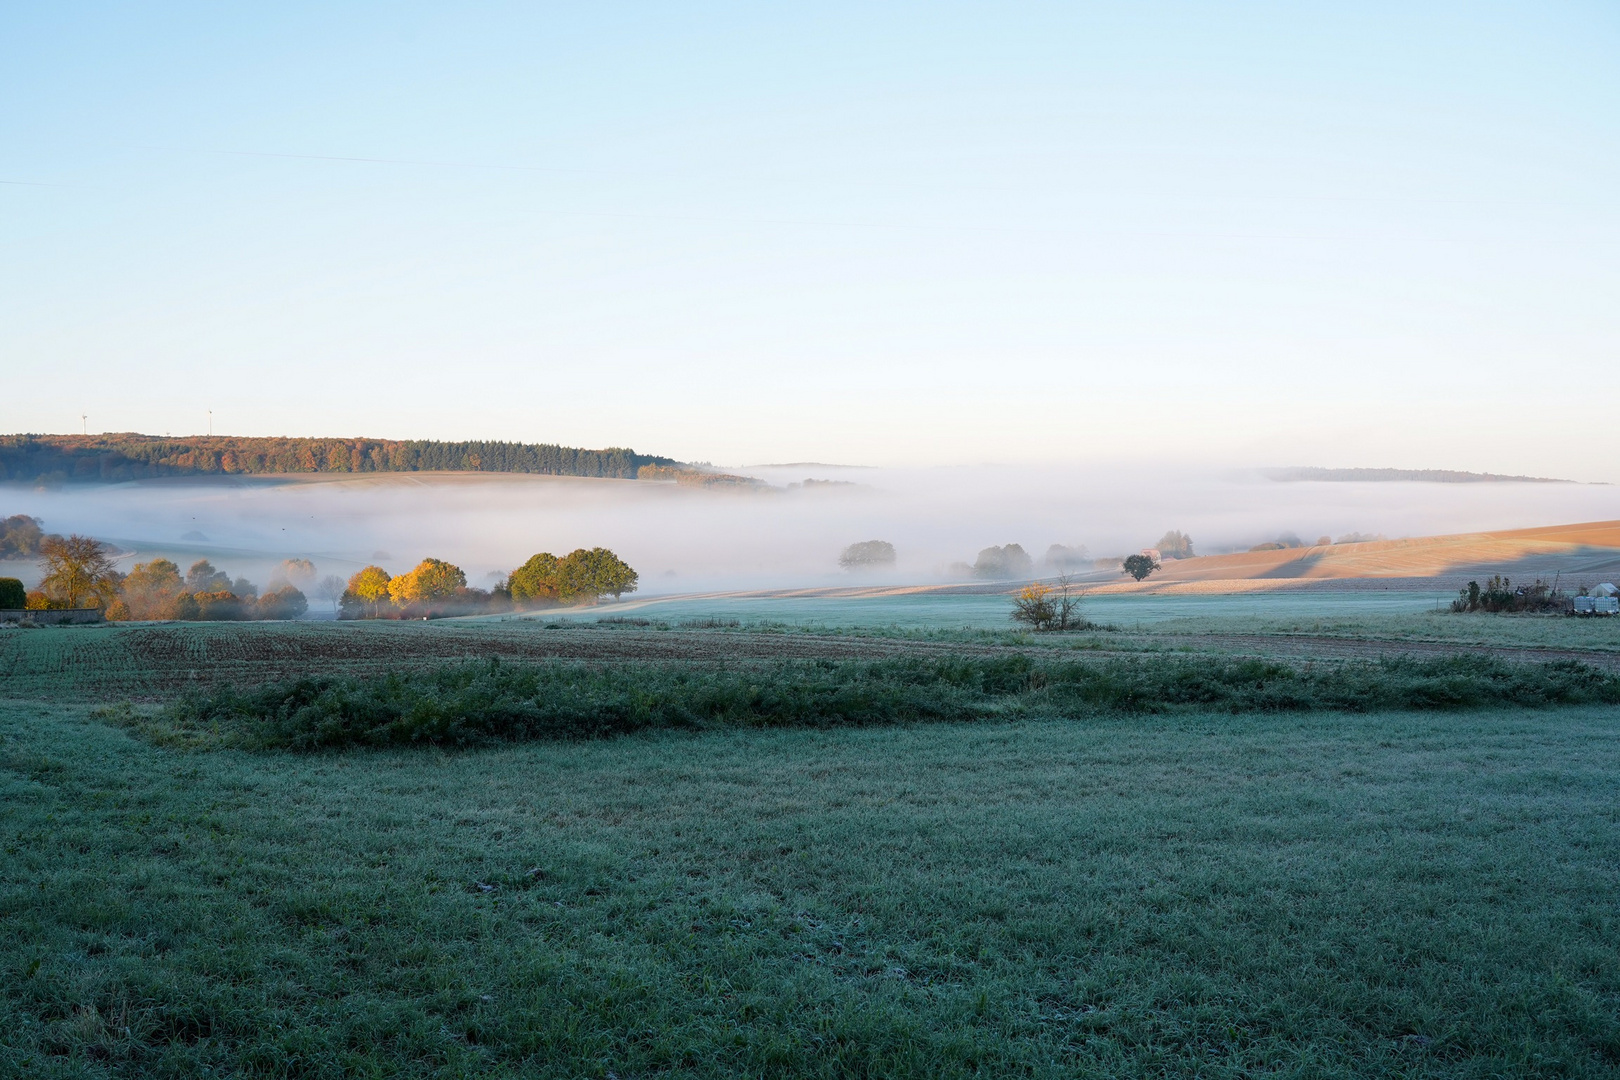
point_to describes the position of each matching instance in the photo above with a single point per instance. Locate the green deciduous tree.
(283, 603)
(867, 554)
(1065, 558)
(1176, 544)
(581, 575)
(202, 577)
(220, 605)
(591, 574)
(1139, 566)
(535, 582)
(20, 537)
(1011, 561)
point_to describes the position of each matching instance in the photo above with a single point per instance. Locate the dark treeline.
(108, 458)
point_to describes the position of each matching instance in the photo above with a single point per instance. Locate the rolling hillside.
(1579, 551)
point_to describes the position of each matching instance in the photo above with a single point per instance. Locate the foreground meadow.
(1219, 894)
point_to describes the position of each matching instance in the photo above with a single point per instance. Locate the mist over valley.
(786, 531)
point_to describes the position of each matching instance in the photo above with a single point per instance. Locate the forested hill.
(108, 458)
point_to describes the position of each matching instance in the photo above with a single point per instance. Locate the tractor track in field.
(1315, 647)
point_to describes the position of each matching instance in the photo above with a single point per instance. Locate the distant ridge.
(129, 456)
(1427, 476)
(804, 465)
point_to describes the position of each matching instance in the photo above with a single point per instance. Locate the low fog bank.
(685, 539)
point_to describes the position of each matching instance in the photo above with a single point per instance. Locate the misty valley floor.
(1321, 895)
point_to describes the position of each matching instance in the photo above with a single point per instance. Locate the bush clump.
(1499, 594)
(469, 703)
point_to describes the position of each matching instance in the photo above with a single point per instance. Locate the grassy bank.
(470, 703)
(1326, 895)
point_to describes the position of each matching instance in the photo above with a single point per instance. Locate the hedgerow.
(462, 704)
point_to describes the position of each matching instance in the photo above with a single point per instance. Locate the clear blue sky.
(1357, 234)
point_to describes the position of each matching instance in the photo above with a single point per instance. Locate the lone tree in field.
(1139, 566)
(1175, 544)
(867, 554)
(79, 572)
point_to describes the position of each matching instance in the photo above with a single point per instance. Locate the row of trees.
(116, 457)
(1012, 561)
(80, 572)
(156, 590)
(1290, 540)
(436, 588)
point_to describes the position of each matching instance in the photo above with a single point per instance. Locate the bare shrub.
(1043, 607)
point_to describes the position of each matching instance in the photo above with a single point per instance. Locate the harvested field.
(151, 661)
(148, 661)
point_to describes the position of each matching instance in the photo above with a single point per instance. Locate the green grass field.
(1394, 615)
(949, 610)
(1211, 894)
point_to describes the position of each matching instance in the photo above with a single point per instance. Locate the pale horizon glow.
(1371, 235)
